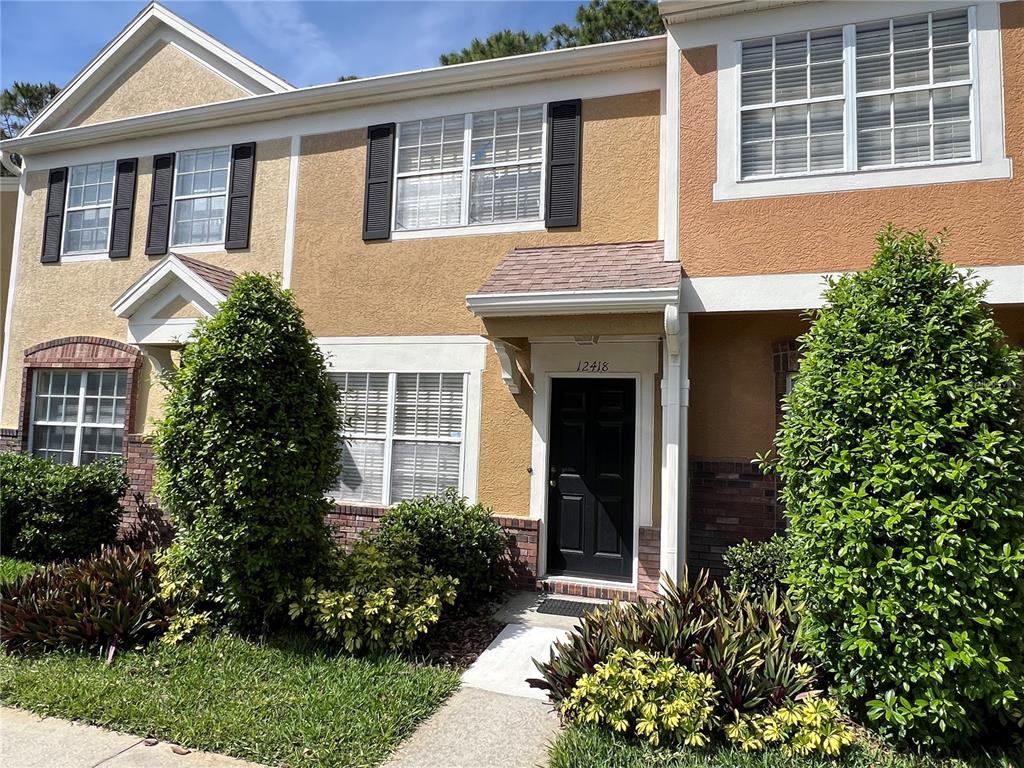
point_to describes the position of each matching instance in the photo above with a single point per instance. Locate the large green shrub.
(56, 511)
(902, 459)
(371, 600)
(651, 696)
(448, 534)
(750, 644)
(247, 448)
(758, 566)
(105, 603)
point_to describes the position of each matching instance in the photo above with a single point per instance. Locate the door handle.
(552, 483)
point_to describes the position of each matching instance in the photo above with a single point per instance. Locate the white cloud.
(282, 27)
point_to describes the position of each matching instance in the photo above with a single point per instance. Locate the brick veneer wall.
(649, 554)
(10, 441)
(729, 501)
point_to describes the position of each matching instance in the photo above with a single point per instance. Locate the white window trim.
(989, 161)
(464, 227)
(79, 424)
(189, 248)
(419, 354)
(86, 255)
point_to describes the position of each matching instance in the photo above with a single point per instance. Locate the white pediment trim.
(142, 304)
(153, 25)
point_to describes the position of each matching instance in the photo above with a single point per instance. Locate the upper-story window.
(200, 196)
(876, 95)
(87, 219)
(478, 168)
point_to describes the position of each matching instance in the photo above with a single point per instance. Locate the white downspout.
(683, 478)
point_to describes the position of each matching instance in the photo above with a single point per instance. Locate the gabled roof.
(617, 277)
(152, 26)
(210, 284)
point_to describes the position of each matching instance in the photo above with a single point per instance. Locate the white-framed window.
(403, 435)
(200, 196)
(78, 416)
(87, 211)
(884, 94)
(470, 169)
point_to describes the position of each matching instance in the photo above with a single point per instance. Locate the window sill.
(846, 181)
(91, 256)
(195, 250)
(468, 231)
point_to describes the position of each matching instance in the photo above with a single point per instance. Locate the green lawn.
(284, 702)
(10, 569)
(588, 747)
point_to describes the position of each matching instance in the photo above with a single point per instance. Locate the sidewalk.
(29, 741)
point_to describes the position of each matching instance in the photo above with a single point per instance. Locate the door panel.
(590, 502)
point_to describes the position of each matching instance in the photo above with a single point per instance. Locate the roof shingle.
(617, 266)
(220, 278)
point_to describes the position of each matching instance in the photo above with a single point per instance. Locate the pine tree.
(504, 43)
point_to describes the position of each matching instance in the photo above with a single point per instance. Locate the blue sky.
(305, 42)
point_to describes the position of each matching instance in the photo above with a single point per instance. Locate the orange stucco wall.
(831, 232)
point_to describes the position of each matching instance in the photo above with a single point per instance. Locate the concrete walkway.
(30, 741)
(495, 719)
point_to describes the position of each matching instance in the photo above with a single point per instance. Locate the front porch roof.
(579, 279)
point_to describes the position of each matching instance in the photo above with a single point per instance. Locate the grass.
(590, 747)
(10, 569)
(283, 702)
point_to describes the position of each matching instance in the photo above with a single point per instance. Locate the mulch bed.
(462, 634)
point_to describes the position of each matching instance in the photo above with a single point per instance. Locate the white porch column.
(675, 401)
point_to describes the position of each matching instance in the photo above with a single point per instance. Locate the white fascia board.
(150, 284)
(629, 300)
(148, 20)
(9, 183)
(559, 64)
(772, 293)
(680, 11)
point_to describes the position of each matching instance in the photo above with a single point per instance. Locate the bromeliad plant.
(750, 645)
(651, 696)
(104, 603)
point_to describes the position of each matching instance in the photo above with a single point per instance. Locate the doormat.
(576, 608)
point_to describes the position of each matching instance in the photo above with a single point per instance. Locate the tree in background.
(901, 457)
(247, 449)
(604, 21)
(504, 43)
(19, 104)
(601, 21)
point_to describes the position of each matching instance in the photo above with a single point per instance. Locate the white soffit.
(612, 301)
(153, 25)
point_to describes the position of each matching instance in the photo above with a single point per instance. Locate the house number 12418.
(592, 366)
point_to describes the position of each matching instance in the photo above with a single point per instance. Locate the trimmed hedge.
(57, 511)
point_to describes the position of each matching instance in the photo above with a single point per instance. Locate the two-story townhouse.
(803, 128)
(566, 284)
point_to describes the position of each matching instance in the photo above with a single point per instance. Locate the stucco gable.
(159, 62)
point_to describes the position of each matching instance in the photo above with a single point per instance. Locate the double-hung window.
(402, 435)
(78, 416)
(863, 96)
(87, 218)
(470, 169)
(200, 196)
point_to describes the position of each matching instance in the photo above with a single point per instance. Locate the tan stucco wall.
(163, 78)
(8, 215)
(74, 298)
(418, 287)
(826, 232)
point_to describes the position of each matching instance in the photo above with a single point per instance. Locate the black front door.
(590, 478)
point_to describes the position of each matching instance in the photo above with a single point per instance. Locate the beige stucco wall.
(74, 298)
(831, 232)
(418, 287)
(8, 216)
(164, 78)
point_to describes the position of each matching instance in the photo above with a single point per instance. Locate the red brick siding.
(10, 441)
(729, 501)
(650, 562)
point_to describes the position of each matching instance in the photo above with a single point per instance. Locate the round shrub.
(448, 534)
(757, 566)
(902, 460)
(57, 511)
(247, 449)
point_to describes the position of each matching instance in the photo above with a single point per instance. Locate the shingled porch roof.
(571, 278)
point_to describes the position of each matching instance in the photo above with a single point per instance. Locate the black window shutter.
(562, 201)
(243, 174)
(380, 159)
(122, 212)
(160, 205)
(56, 189)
